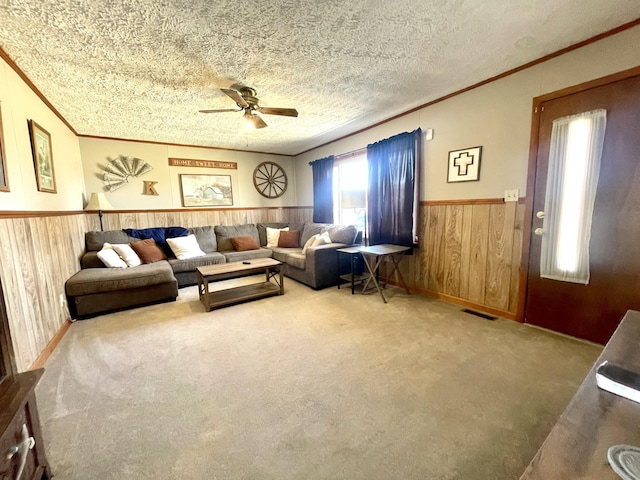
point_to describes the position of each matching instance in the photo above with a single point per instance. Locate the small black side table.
(355, 261)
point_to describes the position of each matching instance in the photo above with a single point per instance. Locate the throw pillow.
(159, 234)
(273, 234)
(242, 244)
(185, 247)
(126, 253)
(148, 251)
(288, 239)
(326, 238)
(110, 258)
(309, 243)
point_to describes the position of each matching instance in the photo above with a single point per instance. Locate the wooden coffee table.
(273, 284)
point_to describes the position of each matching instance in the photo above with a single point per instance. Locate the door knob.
(538, 231)
(540, 214)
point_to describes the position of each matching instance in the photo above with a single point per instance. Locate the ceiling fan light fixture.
(249, 120)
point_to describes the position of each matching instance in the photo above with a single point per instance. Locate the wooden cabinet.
(22, 454)
(595, 419)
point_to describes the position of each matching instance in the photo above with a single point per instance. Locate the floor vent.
(478, 314)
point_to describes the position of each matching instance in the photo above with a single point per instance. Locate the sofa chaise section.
(92, 291)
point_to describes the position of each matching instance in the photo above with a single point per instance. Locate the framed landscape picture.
(42, 158)
(4, 179)
(206, 190)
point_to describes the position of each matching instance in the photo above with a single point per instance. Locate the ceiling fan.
(246, 99)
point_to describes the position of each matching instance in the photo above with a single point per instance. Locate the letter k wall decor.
(464, 165)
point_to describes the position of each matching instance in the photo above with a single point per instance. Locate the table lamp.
(98, 202)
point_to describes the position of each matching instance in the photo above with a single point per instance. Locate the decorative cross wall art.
(464, 165)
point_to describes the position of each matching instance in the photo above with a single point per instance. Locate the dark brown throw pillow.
(289, 239)
(242, 244)
(148, 251)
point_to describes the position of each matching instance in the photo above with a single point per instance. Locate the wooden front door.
(593, 311)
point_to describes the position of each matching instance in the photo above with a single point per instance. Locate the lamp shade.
(98, 202)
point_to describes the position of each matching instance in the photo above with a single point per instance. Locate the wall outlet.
(63, 300)
(511, 195)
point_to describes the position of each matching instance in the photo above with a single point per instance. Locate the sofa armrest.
(91, 260)
(322, 263)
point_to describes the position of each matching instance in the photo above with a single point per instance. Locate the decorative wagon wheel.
(270, 179)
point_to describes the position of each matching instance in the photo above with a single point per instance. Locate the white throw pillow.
(326, 238)
(126, 253)
(309, 243)
(110, 258)
(185, 247)
(315, 240)
(273, 234)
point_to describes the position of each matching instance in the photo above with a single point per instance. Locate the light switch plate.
(511, 195)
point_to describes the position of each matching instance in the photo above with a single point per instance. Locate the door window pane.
(572, 181)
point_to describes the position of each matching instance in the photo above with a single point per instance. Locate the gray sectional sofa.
(97, 289)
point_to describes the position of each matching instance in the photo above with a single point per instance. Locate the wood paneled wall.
(40, 251)
(197, 218)
(470, 252)
(38, 255)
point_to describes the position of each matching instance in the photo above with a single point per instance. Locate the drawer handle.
(27, 443)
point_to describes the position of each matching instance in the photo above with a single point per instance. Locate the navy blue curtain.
(323, 190)
(391, 191)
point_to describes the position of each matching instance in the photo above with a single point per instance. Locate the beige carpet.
(309, 385)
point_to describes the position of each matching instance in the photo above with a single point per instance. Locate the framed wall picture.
(42, 158)
(206, 190)
(4, 178)
(464, 165)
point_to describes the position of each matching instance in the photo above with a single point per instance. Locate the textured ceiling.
(141, 69)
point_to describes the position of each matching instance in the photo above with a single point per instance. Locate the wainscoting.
(39, 253)
(469, 253)
(196, 218)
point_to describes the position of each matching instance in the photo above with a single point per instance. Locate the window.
(350, 190)
(572, 180)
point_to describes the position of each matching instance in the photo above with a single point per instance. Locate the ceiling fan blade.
(236, 97)
(221, 110)
(287, 112)
(258, 122)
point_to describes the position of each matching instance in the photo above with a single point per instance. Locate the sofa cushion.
(206, 238)
(190, 264)
(311, 229)
(262, 229)
(315, 240)
(91, 260)
(148, 251)
(224, 234)
(247, 255)
(242, 244)
(273, 235)
(289, 239)
(185, 247)
(296, 260)
(343, 234)
(126, 253)
(282, 254)
(95, 240)
(96, 280)
(110, 258)
(159, 234)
